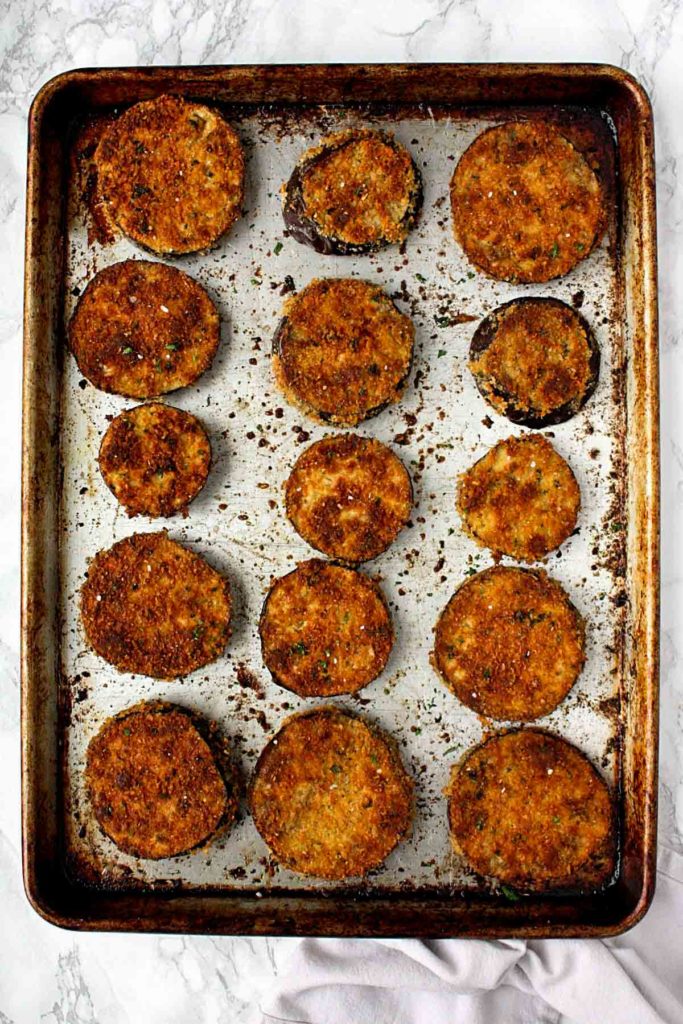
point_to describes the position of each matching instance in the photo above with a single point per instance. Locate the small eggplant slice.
(356, 192)
(535, 361)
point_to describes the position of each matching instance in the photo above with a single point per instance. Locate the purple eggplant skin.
(485, 335)
(304, 229)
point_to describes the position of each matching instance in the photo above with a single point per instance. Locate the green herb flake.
(336, 769)
(616, 526)
(126, 731)
(440, 353)
(442, 321)
(374, 759)
(470, 571)
(277, 248)
(486, 673)
(421, 278)
(479, 824)
(451, 750)
(127, 351)
(556, 819)
(172, 346)
(555, 251)
(470, 274)
(509, 894)
(299, 648)
(198, 631)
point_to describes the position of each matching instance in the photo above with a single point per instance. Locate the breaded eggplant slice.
(155, 459)
(171, 174)
(325, 629)
(510, 644)
(150, 606)
(354, 193)
(535, 361)
(349, 496)
(141, 329)
(342, 350)
(160, 781)
(527, 206)
(529, 809)
(521, 499)
(330, 795)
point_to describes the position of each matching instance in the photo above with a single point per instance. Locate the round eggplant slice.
(530, 810)
(535, 361)
(510, 644)
(342, 351)
(155, 459)
(142, 329)
(160, 781)
(356, 192)
(349, 496)
(330, 796)
(521, 499)
(325, 629)
(151, 606)
(527, 206)
(171, 175)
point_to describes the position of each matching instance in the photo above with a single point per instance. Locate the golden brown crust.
(529, 809)
(155, 459)
(510, 644)
(342, 351)
(521, 499)
(156, 781)
(141, 329)
(526, 204)
(150, 606)
(349, 496)
(330, 795)
(356, 191)
(171, 174)
(535, 361)
(325, 629)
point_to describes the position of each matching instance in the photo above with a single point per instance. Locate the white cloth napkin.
(636, 978)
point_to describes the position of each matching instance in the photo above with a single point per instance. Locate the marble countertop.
(62, 977)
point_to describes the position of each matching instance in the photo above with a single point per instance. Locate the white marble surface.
(46, 974)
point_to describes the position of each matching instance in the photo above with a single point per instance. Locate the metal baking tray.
(74, 876)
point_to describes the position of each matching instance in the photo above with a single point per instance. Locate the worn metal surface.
(439, 428)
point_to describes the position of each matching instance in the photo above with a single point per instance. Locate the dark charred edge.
(539, 574)
(484, 336)
(223, 757)
(304, 229)
(175, 511)
(348, 563)
(324, 696)
(176, 253)
(609, 851)
(332, 711)
(328, 417)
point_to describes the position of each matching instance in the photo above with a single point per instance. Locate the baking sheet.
(439, 428)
